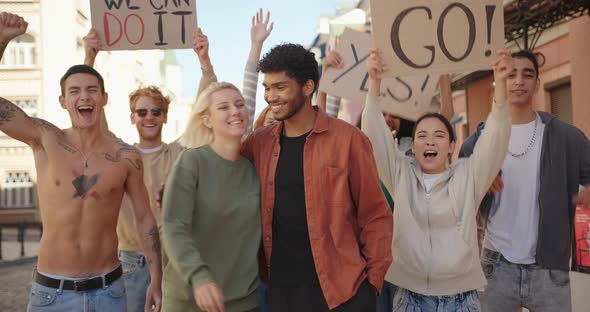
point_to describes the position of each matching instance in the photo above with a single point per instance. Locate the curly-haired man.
(324, 216)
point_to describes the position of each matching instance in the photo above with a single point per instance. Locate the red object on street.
(582, 231)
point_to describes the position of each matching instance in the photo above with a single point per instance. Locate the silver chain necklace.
(531, 143)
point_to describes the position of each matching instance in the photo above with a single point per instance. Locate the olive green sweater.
(211, 230)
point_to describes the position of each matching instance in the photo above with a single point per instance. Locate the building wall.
(580, 72)
(58, 31)
(19, 83)
(566, 59)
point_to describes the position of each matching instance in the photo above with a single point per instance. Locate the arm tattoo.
(154, 238)
(44, 125)
(7, 111)
(126, 148)
(65, 146)
(48, 127)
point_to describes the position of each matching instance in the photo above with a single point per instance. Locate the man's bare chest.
(96, 175)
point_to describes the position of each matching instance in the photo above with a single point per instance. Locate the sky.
(227, 25)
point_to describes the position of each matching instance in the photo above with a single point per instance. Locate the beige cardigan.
(434, 246)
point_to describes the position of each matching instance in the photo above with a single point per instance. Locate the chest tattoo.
(83, 184)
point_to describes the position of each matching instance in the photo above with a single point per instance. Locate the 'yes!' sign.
(408, 97)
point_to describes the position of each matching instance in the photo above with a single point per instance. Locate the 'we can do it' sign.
(144, 24)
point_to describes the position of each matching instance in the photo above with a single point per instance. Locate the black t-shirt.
(291, 263)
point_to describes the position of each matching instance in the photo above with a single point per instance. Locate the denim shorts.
(408, 301)
(136, 276)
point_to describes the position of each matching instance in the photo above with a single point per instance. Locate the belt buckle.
(81, 285)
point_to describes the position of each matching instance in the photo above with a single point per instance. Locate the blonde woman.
(211, 211)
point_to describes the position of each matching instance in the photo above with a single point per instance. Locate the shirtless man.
(82, 175)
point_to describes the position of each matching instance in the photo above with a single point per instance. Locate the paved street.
(15, 283)
(16, 271)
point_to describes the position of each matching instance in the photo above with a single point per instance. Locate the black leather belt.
(80, 285)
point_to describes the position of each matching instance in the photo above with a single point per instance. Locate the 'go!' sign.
(437, 36)
(142, 24)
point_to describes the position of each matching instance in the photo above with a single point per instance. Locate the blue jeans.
(136, 275)
(511, 286)
(110, 298)
(385, 300)
(262, 296)
(408, 301)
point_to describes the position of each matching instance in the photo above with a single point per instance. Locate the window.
(29, 105)
(20, 53)
(17, 190)
(561, 102)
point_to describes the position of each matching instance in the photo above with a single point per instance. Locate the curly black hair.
(295, 60)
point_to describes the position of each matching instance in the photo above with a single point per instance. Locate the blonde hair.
(152, 92)
(259, 123)
(196, 133)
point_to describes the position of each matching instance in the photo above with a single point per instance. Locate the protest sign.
(138, 25)
(408, 97)
(437, 36)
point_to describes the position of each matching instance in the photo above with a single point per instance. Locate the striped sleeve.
(249, 92)
(332, 106)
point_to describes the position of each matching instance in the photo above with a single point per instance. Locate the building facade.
(29, 76)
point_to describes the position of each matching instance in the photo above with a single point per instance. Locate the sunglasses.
(142, 112)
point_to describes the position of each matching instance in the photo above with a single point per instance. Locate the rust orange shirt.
(349, 222)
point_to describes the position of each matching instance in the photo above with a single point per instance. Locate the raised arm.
(327, 103)
(11, 26)
(446, 97)
(259, 31)
(201, 48)
(92, 45)
(145, 223)
(18, 125)
(13, 120)
(373, 124)
(491, 148)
